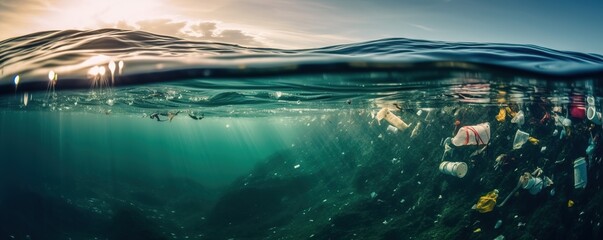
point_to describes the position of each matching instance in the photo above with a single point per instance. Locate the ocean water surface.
(113, 134)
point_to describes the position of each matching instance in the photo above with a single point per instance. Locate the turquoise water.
(192, 140)
(209, 151)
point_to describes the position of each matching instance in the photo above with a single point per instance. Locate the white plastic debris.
(519, 118)
(391, 118)
(415, 131)
(472, 135)
(521, 137)
(392, 129)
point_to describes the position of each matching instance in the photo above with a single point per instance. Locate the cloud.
(205, 28)
(199, 31)
(161, 26)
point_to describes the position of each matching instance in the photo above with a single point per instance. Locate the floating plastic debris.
(373, 195)
(580, 177)
(521, 137)
(486, 203)
(415, 131)
(457, 169)
(502, 114)
(392, 129)
(533, 140)
(498, 224)
(472, 135)
(391, 118)
(519, 118)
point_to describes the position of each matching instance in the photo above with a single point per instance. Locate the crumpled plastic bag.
(519, 118)
(472, 135)
(487, 202)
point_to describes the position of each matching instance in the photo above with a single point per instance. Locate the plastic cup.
(590, 100)
(593, 115)
(580, 175)
(457, 169)
(521, 137)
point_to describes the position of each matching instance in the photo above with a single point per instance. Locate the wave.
(112, 71)
(155, 58)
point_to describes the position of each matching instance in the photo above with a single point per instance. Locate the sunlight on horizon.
(90, 13)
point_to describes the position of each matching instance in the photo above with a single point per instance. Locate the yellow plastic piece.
(510, 112)
(570, 203)
(487, 202)
(477, 230)
(533, 140)
(501, 115)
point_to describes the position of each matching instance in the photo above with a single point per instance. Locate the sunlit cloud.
(198, 31)
(231, 21)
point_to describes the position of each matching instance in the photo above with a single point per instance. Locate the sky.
(557, 24)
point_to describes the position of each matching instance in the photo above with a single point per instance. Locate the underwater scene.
(115, 134)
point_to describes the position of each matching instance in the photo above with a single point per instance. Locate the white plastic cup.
(457, 169)
(580, 175)
(593, 115)
(521, 137)
(590, 100)
(534, 185)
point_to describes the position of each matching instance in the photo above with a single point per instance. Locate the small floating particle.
(296, 166)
